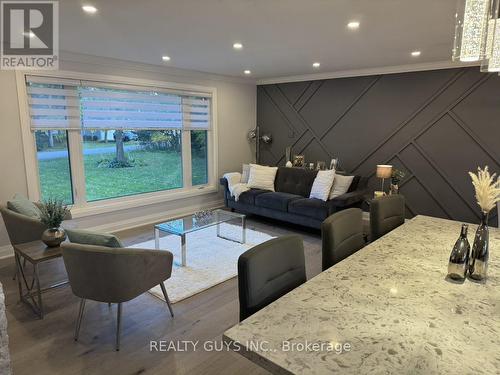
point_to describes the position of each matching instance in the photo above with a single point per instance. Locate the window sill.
(117, 204)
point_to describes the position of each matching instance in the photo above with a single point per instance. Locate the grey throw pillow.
(88, 237)
(23, 206)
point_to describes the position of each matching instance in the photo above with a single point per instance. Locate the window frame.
(81, 207)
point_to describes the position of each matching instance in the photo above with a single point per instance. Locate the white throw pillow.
(262, 177)
(340, 185)
(245, 173)
(322, 185)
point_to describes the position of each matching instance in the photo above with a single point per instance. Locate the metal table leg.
(38, 290)
(183, 249)
(157, 239)
(243, 229)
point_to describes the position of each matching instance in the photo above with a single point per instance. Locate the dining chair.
(341, 236)
(386, 213)
(268, 271)
(114, 275)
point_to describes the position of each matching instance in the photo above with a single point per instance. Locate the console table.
(30, 292)
(393, 307)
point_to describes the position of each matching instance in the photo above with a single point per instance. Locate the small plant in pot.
(396, 178)
(52, 214)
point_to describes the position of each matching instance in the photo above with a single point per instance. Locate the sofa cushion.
(296, 181)
(88, 237)
(310, 207)
(248, 197)
(276, 201)
(262, 177)
(24, 206)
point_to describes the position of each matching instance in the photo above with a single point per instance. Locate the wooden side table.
(35, 252)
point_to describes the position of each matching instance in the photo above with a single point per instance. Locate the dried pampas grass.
(487, 189)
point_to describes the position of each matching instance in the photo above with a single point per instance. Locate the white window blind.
(53, 103)
(68, 104)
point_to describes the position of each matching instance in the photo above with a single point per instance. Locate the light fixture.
(416, 53)
(165, 58)
(238, 45)
(254, 136)
(316, 65)
(89, 9)
(31, 34)
(353, 25)
(491, 63)
(384, 171)
(247, 72)
(471, 29)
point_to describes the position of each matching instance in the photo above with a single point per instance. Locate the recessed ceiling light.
(353, 25)
(237, 45)
(316, 65)
(89, 9)
(416, 53)
(165, 58)
(247, 72)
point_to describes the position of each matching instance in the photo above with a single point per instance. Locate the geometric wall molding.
(435, 125)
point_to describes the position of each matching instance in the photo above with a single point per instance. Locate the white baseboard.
(7, 250)
(155, 218)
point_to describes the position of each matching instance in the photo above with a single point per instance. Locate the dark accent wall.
(435, 125)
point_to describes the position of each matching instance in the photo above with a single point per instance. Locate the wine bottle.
(459, 258)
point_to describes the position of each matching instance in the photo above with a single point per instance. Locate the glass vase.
(478, 266)
(459, 257)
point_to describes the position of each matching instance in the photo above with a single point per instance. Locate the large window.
(53, 165)
(97, 141)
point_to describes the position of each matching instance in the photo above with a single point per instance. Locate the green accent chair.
(268, 271)
(341, 236)
(386, 213)
(114, 275)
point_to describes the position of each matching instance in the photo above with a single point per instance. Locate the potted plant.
(396, 178)
(52, 214)
(487, 189)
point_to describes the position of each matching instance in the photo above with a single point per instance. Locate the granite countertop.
(391, 305)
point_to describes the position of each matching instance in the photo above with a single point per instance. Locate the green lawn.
(154, 171)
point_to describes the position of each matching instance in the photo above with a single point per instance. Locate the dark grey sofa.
(290, 202)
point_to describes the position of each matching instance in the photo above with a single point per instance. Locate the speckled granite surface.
(391, 303)
(5, 368)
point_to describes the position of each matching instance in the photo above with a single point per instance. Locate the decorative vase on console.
(52, 214)
(288, 155)
(487, 190)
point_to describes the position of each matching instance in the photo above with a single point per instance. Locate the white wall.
(236, 115)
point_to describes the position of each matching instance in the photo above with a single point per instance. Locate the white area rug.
(210, 259)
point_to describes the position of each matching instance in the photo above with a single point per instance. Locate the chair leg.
(118, 326)
(167, 300)
(79, 319)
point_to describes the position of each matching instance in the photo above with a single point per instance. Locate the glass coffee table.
(187, 224)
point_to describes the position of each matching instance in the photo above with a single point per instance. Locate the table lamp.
(383, 172)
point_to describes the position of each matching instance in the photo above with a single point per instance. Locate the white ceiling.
(280, 37)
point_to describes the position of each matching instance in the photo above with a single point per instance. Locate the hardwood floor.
(47, 347)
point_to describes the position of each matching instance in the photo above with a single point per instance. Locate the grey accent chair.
(114, 275)
(22, 228)
(341, 236)
(268, 271)
(386, 213)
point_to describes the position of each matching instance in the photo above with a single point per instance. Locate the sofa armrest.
(348, 199)
(224, 183)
